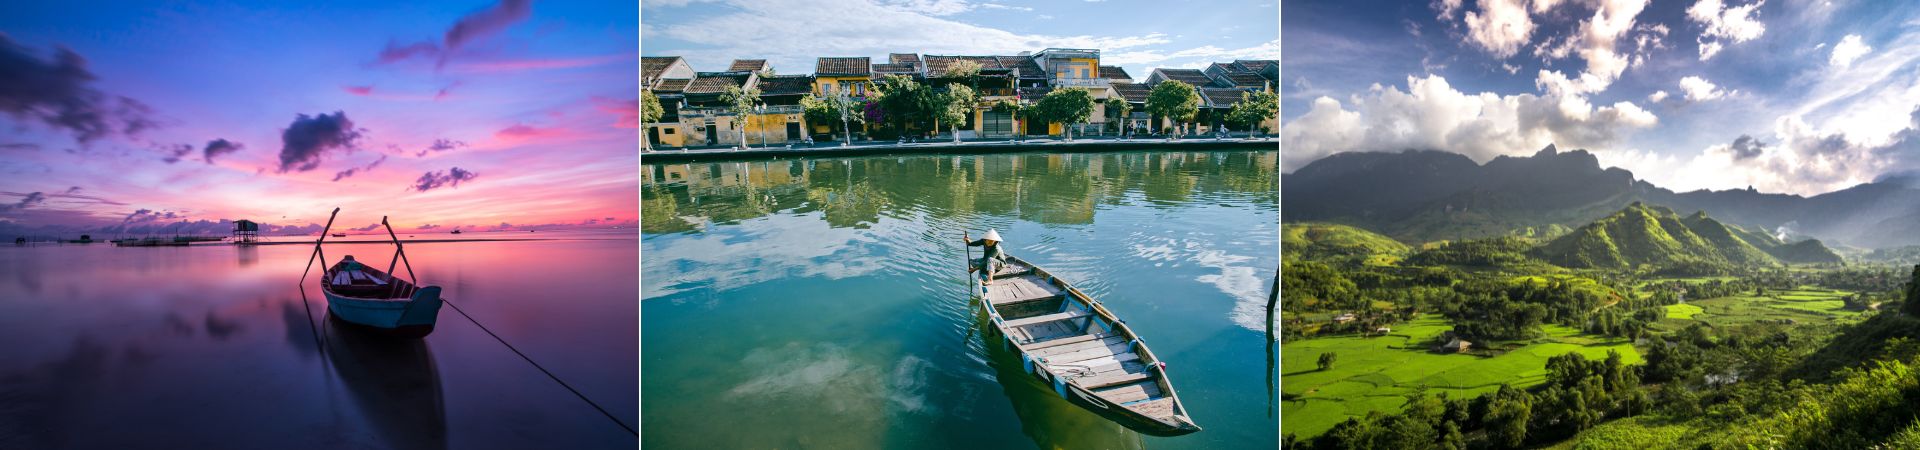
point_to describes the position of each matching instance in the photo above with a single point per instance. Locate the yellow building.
(833, 75)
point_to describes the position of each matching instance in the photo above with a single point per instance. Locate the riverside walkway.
(1078, 145)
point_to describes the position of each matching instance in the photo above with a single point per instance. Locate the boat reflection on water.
(1050, 421)
(394, 382)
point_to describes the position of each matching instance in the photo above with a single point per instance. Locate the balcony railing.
(1082, 82)
(701, 112)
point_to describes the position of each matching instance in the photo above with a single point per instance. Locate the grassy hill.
(1651, 235)
(1326, 241)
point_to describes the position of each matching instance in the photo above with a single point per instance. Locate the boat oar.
(316, 244)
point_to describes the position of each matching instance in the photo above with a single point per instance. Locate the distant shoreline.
(1082, 145)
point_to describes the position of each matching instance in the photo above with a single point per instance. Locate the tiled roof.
(1189, 76)
(652, 66)
(1116, 74)
(786, 85)
(1256, 65)
(717, 82)
(671, 85)
(903, 58)
(1221, 97)
(1244, 79)
(748, 65)
(938, 65)
(843, 66)
(882, 70)
(1228, 68)
(1134, 93)
(1028, 69)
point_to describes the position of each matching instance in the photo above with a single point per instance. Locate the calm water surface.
(822, 303)
(208, 347)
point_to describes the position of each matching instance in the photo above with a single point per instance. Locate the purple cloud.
(310, 137)
(219, 147)
(58, 93)
(449, 178)
(473, 26)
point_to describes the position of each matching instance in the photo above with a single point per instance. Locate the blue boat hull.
(408, 317)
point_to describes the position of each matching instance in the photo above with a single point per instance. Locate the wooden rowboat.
(368, 296)
(360, 294)
(1092, 358)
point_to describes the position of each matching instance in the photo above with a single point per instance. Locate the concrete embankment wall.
(970, 148)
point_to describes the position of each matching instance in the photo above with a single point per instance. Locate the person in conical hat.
(991, 259)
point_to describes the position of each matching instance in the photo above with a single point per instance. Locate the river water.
(821, 303)
(209, 347)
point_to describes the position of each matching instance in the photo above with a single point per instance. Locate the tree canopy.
(1173, 100)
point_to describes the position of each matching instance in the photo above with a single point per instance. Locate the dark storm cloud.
(29, 200)
(349, 172)
(219, 147)
(1746, 147)
(475, 25)
(59, 94)
(308, 138)
(450, 178)
(441, 145)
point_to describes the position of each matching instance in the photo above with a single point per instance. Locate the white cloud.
(1446, 8)
(1501, 26)
(1850, 48)
(1594, 42)
(1430, 114)
(1202, 55)
(1724, 24)
(1699, 89)
(1007, 7)
(1657, 96)
(794, 32)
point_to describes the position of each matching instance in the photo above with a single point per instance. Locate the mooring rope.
(556, 379)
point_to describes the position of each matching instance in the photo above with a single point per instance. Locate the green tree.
(1254, 108)
(1327, 359)
(1507, 415)
(905, 101)
(836, 111)
(1173, 100)
(650, 111)
(957, 105)
(1117, 110)
(1069, 106)
(965, 70)
(1912, 305)
(741, 102)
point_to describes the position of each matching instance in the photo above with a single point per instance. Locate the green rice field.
(1803, 304)
(1377, 373)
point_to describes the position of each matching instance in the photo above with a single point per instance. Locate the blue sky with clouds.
(1799, 96)
(1137, 35)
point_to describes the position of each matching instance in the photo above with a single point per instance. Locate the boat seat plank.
(1114, 380)
(1158, 408)
(1021, 289)
(1042, 332)
(1066, 340)
(1047, 318)
(1089, 356)
(1075, 347)
(1130, 392)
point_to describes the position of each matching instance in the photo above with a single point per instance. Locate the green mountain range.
(1641, 234)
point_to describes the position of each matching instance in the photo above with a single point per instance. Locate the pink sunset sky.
(169, 119)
